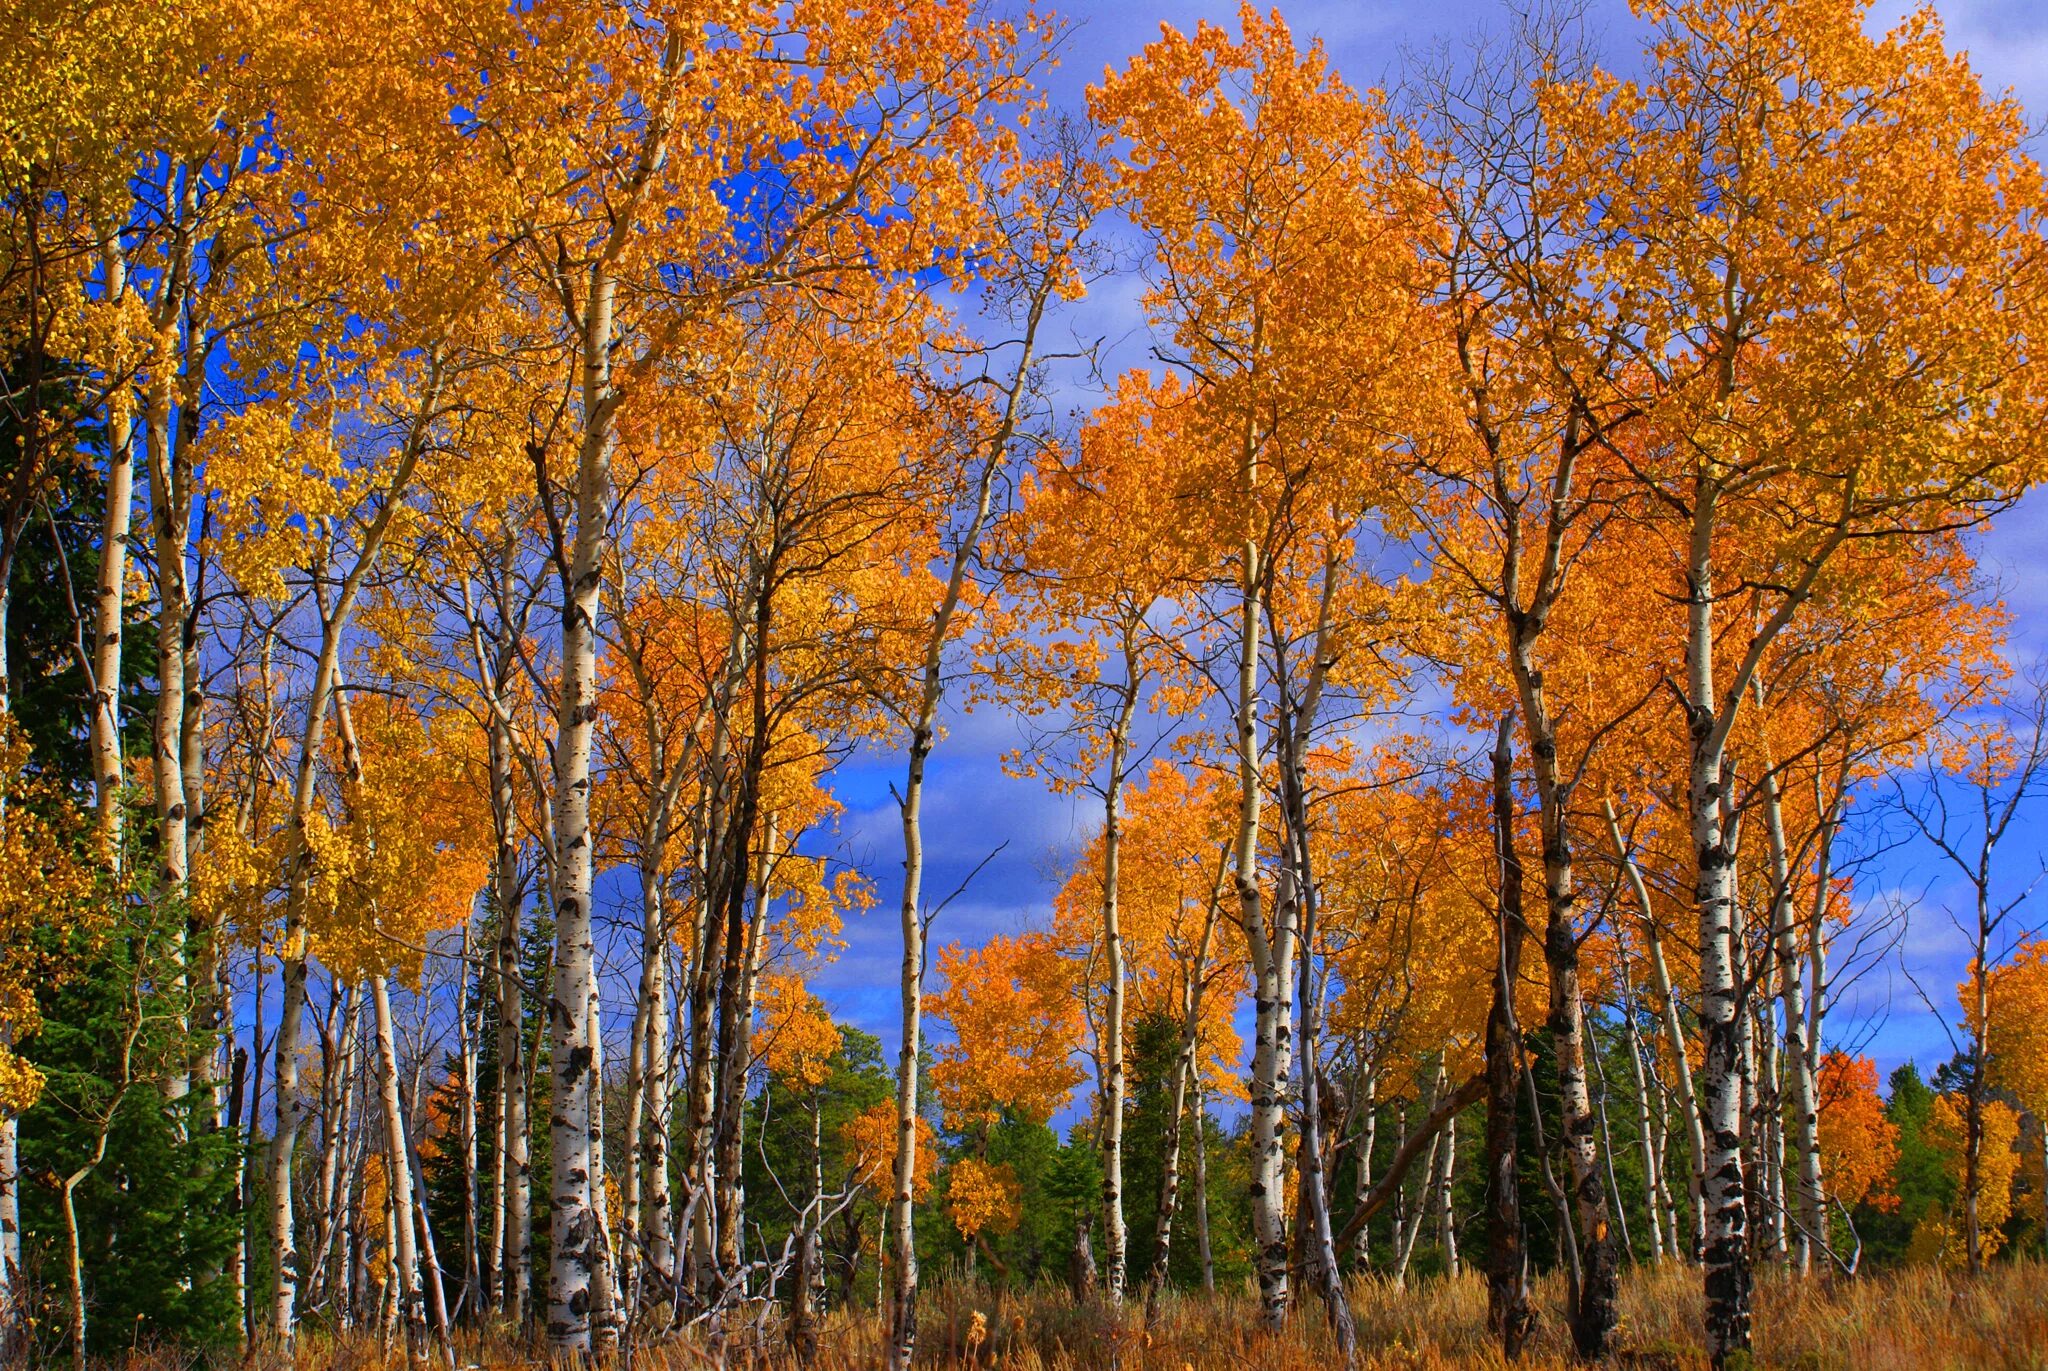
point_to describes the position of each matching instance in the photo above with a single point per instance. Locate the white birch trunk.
(110, 595)
(1113, 1091)
(1674, 1032)
(1725, 1245)
(1272, 971)
(1799, 1063)
(411, 1311)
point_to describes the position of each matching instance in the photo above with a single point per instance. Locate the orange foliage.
(1859, 1146)
(1015, 1027)
(870, 1142)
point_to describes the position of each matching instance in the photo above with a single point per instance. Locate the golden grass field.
(1918, 1318)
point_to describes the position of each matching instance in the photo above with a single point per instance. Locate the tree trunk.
(1368, 1139)
(1447, 1214)
(110, 595)
(1508, 1310)
(172, 507)
(10, 1219)
(1299, 888)
(1201, 1178)
(902, 1238)
(1726, 1238)
(1653, 1161)
(513, 1240)
(1593, 1314)
(1186, 1068)
(1674, 1034)
(398, 1177)
(1272, 974)
(466, 1059)
(1113, 1007)
(574, 1220)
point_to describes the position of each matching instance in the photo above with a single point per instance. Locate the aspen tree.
(1763, 313)
(1257, 179)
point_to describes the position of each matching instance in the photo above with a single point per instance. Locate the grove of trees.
(473, 477)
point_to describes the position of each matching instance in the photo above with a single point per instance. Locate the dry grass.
(1918, 1319)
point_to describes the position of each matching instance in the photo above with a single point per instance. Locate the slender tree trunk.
(574, 1221)
(1726, 1239)
(435, 1292)
(902, 1239)
(899, 1235)
(1408, 1224)
(110, 595)
(1113, 1092)
(1508, 1309)
(656, 1198)
(1617, 1205)
(1186, 1068)
(1368, 1138)
(172, 506)
(1973, 1097)
(398, 1176)
(646, 1058)
(1447, 1214)
(514, 1239)
(10, 1216)
(1797, 1060)
(1272, 973)
(1674, 1034)
(494, 1259)
(466, 1130)
(1201, 1179)
(1653, 1161)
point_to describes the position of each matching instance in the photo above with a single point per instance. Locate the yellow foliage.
(2019, 1025)
(46, 893)
(981, 1197)
(797, 1033)
(409, 855)
(1939, 1236)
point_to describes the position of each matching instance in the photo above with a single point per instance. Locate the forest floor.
(1913, 1319)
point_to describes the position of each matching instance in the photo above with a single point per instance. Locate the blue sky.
(972, 805)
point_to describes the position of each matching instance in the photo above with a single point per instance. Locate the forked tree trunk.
(1593, 1313)
(292, 953)
(738, 1055)
(1299, 890)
